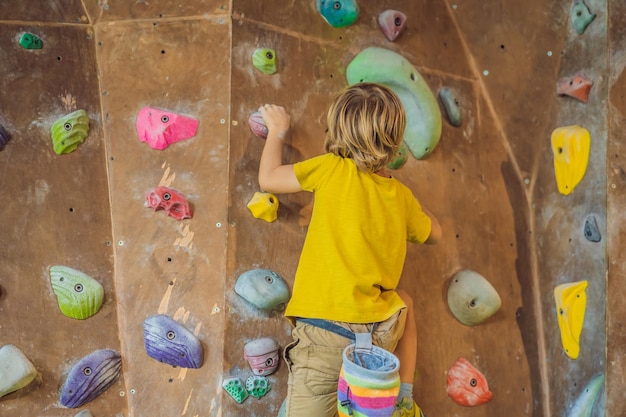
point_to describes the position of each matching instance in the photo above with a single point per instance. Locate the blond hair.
(366, 123)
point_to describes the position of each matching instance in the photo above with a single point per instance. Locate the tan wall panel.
(113, 10)
(616, 199)
(164, 265)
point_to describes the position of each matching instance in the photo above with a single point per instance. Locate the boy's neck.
(383, 173)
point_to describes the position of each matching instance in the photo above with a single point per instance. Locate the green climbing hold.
(264, 60)
(399, 158)
(423, 118)
(30, 41)
(581, 16)
(79, 296)
(257, 386)
(69, 131)
(234, 388)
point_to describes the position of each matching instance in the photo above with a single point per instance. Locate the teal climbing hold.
(451, 106)
(264, 60)
(69, 131)
(581, 16)
(338, 13)
(234, 387)
(262, 288)
(583, 407)
(257, 386)
(30, 41)
(383, 66)
(282, 412)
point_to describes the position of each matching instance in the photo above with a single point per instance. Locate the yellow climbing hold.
(264, 206)
(571, 302)
(570, 146)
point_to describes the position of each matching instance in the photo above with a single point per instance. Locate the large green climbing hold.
(30, 41)
(69, 131)
(383, 66)
(400, 158)
(581, 16)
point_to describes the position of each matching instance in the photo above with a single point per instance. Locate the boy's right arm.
(274, 176)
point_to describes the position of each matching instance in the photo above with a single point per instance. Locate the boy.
(355, 246)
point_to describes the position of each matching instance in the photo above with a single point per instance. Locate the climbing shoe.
(407, 408)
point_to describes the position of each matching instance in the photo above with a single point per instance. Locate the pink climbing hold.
(160, 128)
(392, 23)
(257, 124)
(577, 86)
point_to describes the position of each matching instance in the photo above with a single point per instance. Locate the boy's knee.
(406, 298)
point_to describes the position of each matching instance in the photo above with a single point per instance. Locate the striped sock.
(406, 391)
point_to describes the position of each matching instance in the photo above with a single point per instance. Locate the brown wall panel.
(51, 11)
(461, 182)
(56, 212)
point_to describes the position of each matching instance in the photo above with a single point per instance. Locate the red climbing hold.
(577, 86)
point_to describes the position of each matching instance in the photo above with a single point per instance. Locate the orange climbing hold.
(577, 86)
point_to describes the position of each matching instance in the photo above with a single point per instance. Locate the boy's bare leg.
(406, 351)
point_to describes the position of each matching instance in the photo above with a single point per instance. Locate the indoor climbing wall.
(148, 199)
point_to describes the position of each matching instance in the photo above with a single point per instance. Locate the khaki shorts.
(314, 361)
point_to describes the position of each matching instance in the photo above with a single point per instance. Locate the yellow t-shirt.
(355, 247)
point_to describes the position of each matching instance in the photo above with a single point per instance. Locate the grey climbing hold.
(451, 106)
(16, 371)
(84, 413)
(592, 232)
(471, 298)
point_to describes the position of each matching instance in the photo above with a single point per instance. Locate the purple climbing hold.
(169, 342)
(392, 23)
(90, 377)
(4, 137)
